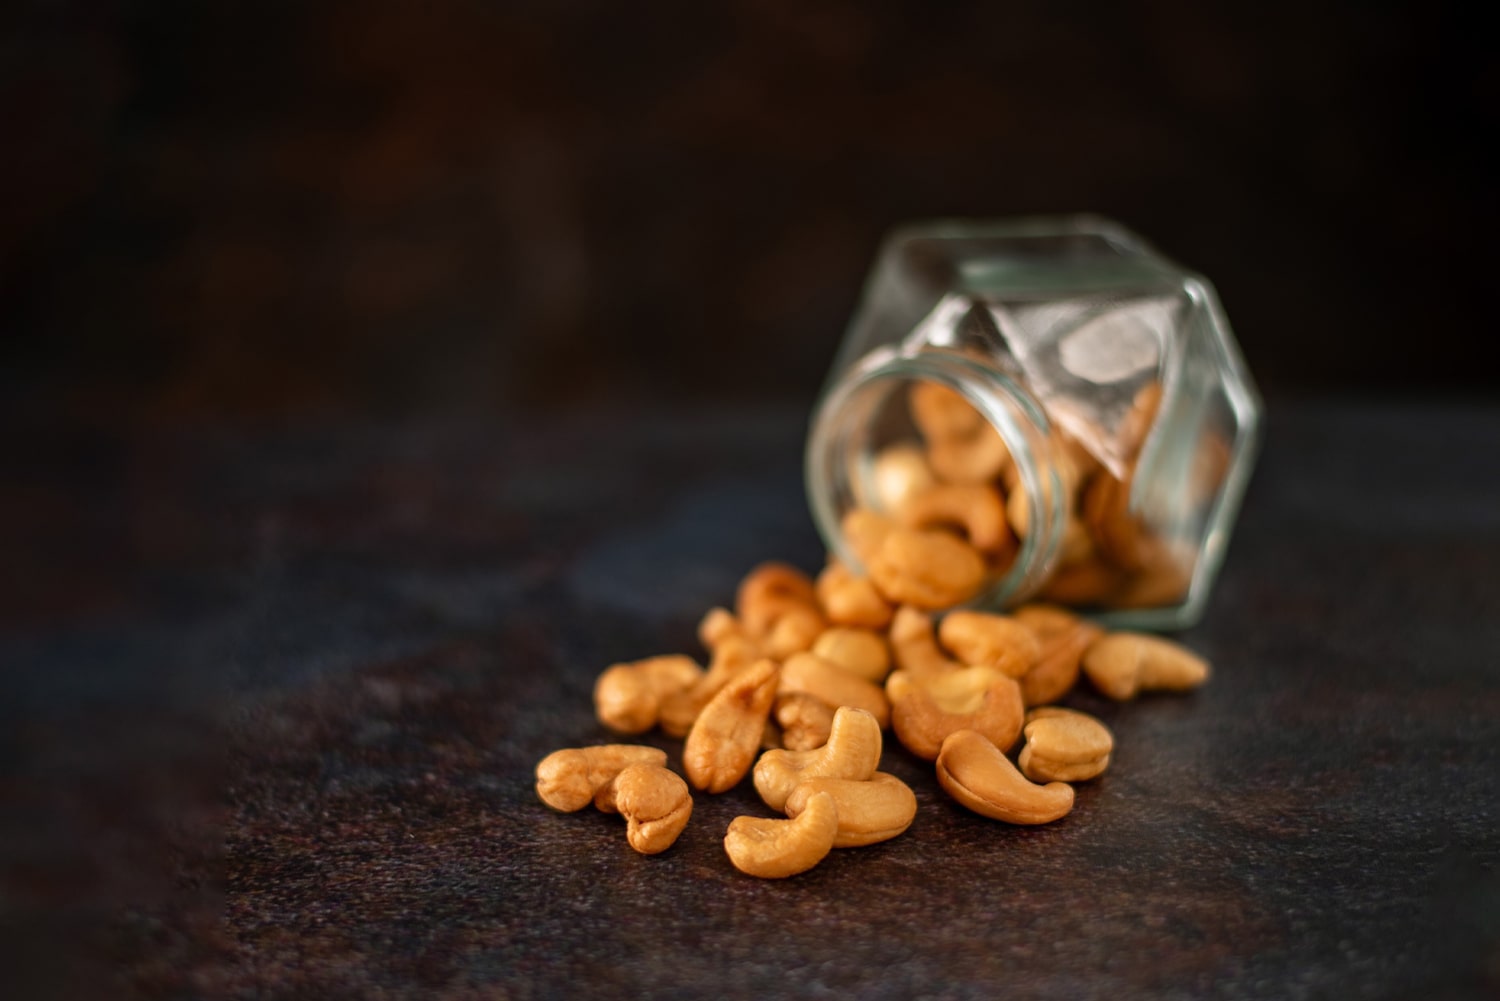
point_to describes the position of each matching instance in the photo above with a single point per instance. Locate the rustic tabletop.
(393, 624)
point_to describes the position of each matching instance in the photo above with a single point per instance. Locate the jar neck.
(847, 431)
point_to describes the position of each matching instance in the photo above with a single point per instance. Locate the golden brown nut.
(974, 772)
(941, 413)
(1122, 664)
(656, 806)
(805, 720)
(627, 697)
(924, 711)
(914, 644)
(982, 457)
(722, 743)
(859, 651)
(852, 752)
(807, 672)
(877, 809)
(851, 601)
(1063, 637)
(997, 641)
(928, 569)
(568, 780)
(864, 531)
(1064, 745)
(679, 709)
(977, 509)
(775, 849)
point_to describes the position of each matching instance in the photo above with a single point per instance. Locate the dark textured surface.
(400, 622)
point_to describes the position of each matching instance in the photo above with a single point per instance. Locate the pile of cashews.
(803, 679)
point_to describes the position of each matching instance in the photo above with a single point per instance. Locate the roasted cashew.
(997, 641)
(656, 806)
(976, 508)
(941, 413)
(807, 672)
(722, 743)
(778, 606)
(981, 457)
(864, 531)
(627, 697)
(805, 720)
(929, 569)
(899, 473)
(974, 772)
(849, 600)
(1064, 745)
(876, 809)
(795, 630)
(852, 752)
(914, 645)
(733, 655)
(1063, 637)
(858, 651)
(1122, 664)
(925, 710)
(774, 849)
(567, 780)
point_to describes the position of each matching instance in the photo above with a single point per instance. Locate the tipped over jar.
(1053, 394)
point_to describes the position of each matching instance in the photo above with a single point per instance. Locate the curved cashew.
(567, 780)
(980, 457)
(1064, 745)
(929, 569)
(1063, 637)
(864, 531)
(925, 711)
(915, 646)
(852, 752)
(974, 772)
(805, 720)
(849, 600)
(656, 806)
(775, 849)
(858, 651)
(997, 641)
(899, 473)
(941, 413)
(795, 630)
(723, 741)
(876, 809)
(976, 508)
(773, 595)
(627, 697)
(1122, 664)
(679, 709)
(807, 672)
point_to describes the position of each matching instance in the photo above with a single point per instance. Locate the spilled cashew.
(656, 806)
(1122, 664)
(925, 710)
(807, 672)
(852, 752)
(928, 569)
(679, 709)
(568, 780)
(1063, 637)
(722, 743)
(851, 601)
(805, 720)
(858, 651)
(876, 809)
(775, 849)
(976, 774)
(627, 697)
(1064, 745)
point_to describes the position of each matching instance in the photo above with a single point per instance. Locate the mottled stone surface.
(398, 623)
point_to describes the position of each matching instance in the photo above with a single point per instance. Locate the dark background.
(265, 211)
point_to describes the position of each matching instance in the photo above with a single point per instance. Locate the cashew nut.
(994, 640)
(974, 772)
(1063, 637)
(656, 806)
(914, 645)
(567, 780)
(940, 412)
(775, 849)
(876, 809)
(771, 593)
(929, 569)
(858, 651)
(805, 720)
(976, 508)
(807, 672)
(732, 655)
(899, 473)
(864, 531)
(795, 630)
(852, 752)
(1122, 664)
(722, 743)
(924, 711)
(627, 697)
(980, 457)
(1064, 745)
(849, 600)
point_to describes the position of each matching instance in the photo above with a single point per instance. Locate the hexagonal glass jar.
(1088, 381)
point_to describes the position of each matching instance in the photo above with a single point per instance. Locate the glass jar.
(1064, 365)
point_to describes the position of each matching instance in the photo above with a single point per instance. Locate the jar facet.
(1091, 383)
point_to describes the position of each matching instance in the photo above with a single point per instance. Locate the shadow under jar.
(1065, 370)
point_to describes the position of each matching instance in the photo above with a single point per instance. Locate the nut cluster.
(947, 512)
(803, 678)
